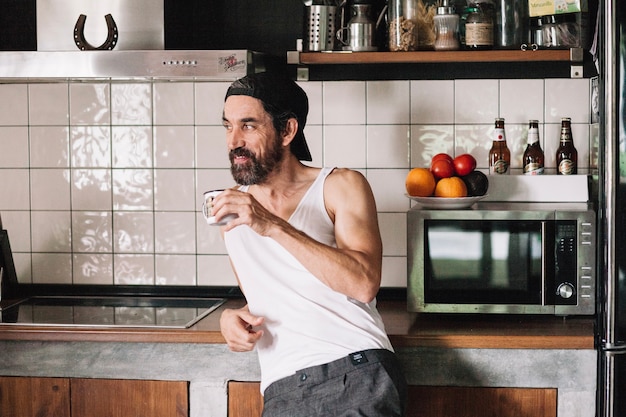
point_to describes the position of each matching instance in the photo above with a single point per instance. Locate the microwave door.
(488, 263)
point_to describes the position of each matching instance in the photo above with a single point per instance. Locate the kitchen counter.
(435, 350)
(405, 329)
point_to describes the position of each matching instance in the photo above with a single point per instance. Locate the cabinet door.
(483, 402)
(244, 399)
(33, 397)
(136, 398)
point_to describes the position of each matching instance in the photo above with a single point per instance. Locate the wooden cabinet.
(137, 398)
(244, 400)
(34, 397)
(481, 401)
(81, 397)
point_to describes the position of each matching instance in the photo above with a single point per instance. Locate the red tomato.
(442, 168)
(464, 164)
(441, 156)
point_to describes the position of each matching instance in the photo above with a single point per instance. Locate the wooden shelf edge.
(61, 334)
(495, 342)
(424, 57)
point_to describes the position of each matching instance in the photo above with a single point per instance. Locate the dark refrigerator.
(612, 205)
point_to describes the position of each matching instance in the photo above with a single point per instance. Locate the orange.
(452, 187)
(420, 182)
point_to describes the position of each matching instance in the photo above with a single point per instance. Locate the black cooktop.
(114, 311)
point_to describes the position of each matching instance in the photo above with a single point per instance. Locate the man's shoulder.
(346, 174)
(346, 180)
(348, 191)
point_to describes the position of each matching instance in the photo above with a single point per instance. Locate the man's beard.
(255, 171)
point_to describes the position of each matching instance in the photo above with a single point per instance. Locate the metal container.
(320, 22)
(359, 34)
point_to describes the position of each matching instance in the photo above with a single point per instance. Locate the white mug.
(207, 208)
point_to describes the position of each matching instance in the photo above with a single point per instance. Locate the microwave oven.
(503, 258)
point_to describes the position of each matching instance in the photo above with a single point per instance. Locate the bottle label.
(533, 169)
(498, 135)
(533, 136)
(479, 34)
(566, 167)
(499, 167)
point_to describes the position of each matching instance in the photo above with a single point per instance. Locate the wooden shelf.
(417, 57)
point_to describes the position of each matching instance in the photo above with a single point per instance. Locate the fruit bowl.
(445, 202)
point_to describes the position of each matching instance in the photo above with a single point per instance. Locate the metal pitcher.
(359, 34)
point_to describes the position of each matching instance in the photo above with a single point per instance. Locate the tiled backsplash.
(101, 182)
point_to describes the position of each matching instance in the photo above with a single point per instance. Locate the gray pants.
(363, 384)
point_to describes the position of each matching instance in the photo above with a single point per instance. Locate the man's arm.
(352, 268)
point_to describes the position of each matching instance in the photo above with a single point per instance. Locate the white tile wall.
(101, 182)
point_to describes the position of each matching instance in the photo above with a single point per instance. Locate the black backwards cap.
(282, 93)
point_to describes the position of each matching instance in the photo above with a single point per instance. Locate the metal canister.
(320, 28)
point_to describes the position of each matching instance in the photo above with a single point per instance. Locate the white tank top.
(306, 322)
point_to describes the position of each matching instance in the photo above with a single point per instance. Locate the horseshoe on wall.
(81, 42)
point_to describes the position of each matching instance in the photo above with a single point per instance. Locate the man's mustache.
(241, 151)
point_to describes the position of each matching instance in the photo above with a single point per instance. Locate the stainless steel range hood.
(129, 40)
(225, 65)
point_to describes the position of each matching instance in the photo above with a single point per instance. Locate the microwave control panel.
(565, 263)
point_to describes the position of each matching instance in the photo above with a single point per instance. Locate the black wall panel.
(18, 25)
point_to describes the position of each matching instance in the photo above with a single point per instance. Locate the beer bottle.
(566, 154)
(533, 155)
(499, 155)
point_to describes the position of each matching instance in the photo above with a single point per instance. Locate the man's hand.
(249, 211)
(237, 327)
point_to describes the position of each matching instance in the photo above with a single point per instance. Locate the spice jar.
(402, 16)
(479, 26)
(446, 28)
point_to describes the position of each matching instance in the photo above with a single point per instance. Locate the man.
(307, 253)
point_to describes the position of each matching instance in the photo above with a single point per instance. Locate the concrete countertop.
(405, 329)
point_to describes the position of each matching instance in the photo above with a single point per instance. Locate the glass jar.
(446, 29)
(402, 16)
(549, 32)
(479, 26)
